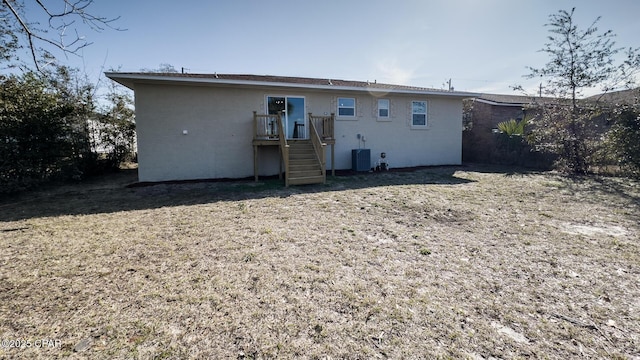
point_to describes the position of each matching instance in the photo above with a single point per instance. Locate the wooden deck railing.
(319, 148)
(266, 126)
(324, 124)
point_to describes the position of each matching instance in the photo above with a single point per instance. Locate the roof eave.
(496, 103)
(129, 80)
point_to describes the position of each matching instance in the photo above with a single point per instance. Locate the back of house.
(202, 126)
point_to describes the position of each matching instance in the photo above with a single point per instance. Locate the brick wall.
(481, 144)
(478, 141)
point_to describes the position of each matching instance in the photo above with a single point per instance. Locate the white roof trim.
(128, 80)
(494, 103)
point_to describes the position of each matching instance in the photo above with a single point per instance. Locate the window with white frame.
(419, 113)
(383, 109)
(347, 107)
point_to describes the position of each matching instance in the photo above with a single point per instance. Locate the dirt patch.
(452, 262)
(593, 230)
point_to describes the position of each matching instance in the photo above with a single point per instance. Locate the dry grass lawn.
(452, 262)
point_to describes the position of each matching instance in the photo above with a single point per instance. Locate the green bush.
(513, 127)
(622, 141)
(36, 141)
(45, 131)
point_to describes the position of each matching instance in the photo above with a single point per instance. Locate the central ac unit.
(361, 159)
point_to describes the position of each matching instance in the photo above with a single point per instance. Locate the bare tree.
(63, 18)
(163, 68)
(582, 59)
(578, 60)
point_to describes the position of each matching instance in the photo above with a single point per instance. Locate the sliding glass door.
(292, 110)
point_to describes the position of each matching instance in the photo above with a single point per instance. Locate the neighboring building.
(482, 116)
(195, 126)
(625, 97)
(481, 141)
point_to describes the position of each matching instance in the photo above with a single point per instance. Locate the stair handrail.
(319, 148)
(284, 148)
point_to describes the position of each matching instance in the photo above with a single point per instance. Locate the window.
(346, 107)
(383, 109)
(419, 113)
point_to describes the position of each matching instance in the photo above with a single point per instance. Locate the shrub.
(622, 141)
(513, 127)
(37, 141)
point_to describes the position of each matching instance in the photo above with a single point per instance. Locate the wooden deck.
(301, 160)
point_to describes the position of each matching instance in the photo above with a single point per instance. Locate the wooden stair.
(304, 166)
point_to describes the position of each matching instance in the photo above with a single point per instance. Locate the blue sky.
(482, 45)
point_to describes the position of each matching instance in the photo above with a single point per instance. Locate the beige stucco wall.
(440, 143)
(218, 122)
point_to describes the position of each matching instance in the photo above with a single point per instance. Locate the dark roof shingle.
(282, 80)
(628, 97)
(515, 100)
(295, 80)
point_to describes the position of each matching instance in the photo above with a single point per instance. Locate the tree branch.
(26, 29)
(60, 21)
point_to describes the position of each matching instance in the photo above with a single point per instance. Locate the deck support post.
(333, 160)
(255, 163)
(280, 163)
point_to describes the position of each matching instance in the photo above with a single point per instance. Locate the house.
(483, 113)
(624, 97)
(203, 126)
